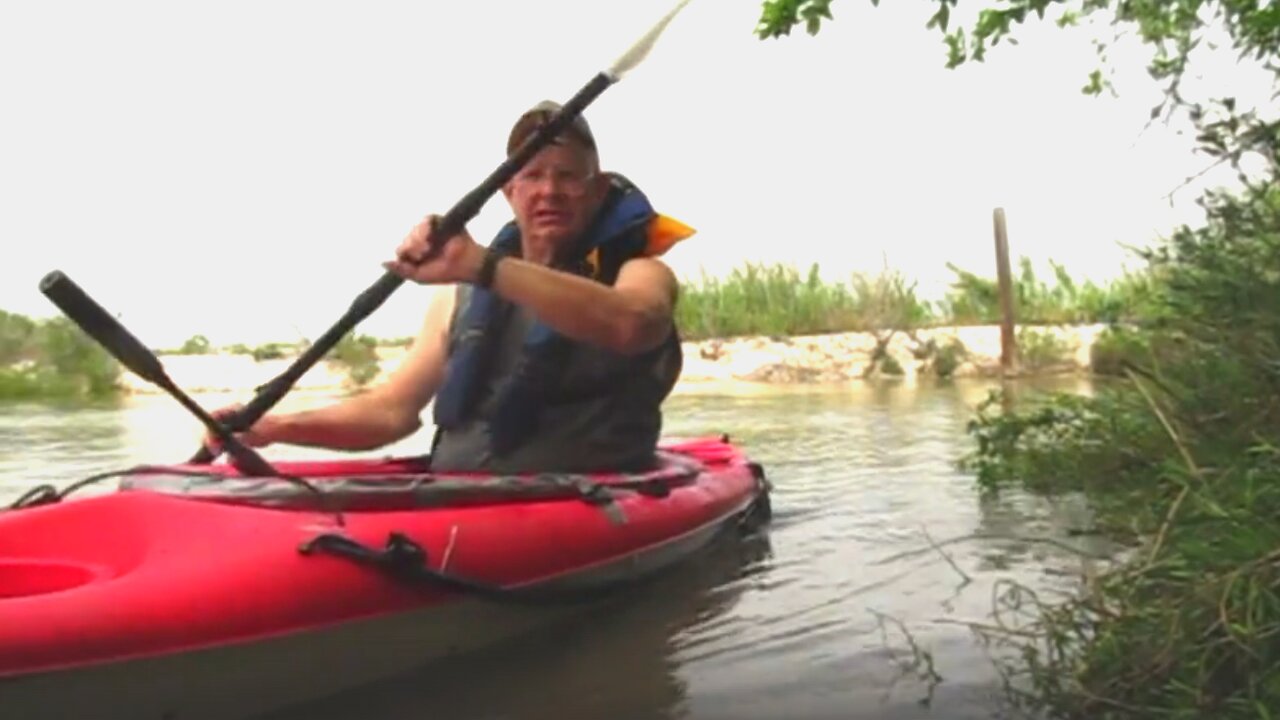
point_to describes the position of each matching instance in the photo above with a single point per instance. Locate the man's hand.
(260, 435)
(457, 261)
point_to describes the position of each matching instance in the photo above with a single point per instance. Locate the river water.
(808, 620)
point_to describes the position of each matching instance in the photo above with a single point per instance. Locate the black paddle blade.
(98, 324)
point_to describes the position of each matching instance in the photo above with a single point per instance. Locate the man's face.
(555, 195)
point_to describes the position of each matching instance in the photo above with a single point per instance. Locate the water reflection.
(619, 661)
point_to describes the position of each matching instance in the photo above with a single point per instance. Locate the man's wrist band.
(488, 267)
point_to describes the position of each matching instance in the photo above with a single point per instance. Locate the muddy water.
(806, 620)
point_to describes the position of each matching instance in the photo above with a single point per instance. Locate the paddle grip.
(98, 324)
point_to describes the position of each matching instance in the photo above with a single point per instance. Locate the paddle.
(99, 325)
(449, 225)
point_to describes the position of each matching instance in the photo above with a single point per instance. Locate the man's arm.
(632, 316)
(629, 317)
(387, 412)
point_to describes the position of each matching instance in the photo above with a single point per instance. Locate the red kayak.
(193, 592)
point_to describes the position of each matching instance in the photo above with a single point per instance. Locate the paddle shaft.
(453, 222)
(96, 322)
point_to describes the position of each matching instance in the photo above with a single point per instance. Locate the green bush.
(18, 338)
(947, 358)
(358, 354)
(53, 358)
(1180, 458)
(1118, 347)
(269, 351)
(195, 345)
(1041, 349)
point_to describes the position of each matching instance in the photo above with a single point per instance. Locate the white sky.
(240, 169)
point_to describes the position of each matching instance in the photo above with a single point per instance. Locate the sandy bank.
(852, 356)
(839, 357)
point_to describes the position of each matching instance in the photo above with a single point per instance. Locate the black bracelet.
(488, 267)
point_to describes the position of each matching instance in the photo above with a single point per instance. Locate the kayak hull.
(146, 604)
(254, 678)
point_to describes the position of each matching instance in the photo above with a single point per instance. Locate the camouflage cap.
(540, 114)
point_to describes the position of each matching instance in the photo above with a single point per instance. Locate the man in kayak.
(556, 348)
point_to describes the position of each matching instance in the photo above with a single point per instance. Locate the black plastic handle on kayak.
(453, 222)
(98, 324)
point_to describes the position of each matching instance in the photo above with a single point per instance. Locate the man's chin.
(551, 234)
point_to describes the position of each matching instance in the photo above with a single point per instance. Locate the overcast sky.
(240, 169)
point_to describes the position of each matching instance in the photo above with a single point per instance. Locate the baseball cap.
(540, 114)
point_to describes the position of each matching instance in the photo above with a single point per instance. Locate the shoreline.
(832, 358)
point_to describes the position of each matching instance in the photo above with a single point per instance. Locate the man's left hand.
(458, 260)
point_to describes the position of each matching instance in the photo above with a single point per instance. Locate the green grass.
(765, 300)
(974, 299)
(778, 299)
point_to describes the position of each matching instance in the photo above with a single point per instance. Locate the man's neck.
(537, 251)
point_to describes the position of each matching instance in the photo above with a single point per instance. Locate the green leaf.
(940, 18)
(1094, 86)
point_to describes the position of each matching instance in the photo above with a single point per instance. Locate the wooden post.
(1008, 342)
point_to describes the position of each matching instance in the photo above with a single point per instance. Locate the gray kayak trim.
(406, 491)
